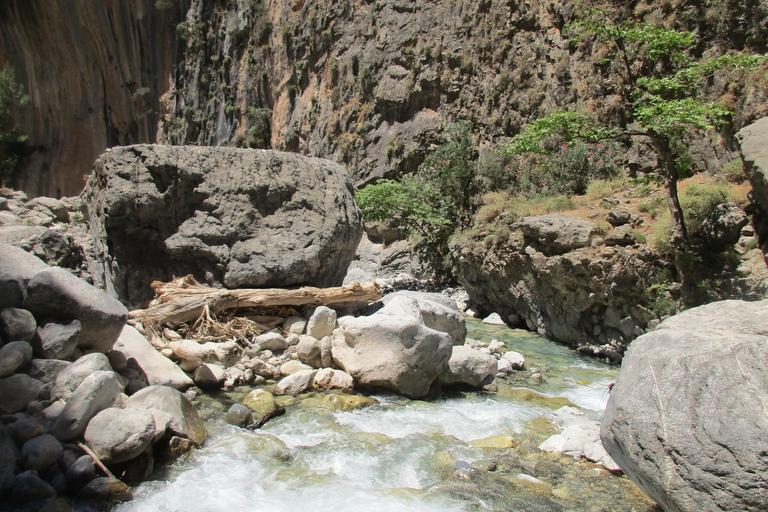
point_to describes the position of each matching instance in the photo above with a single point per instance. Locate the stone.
(321, 323)
(516, 359)
(12, 357)
(271, 341)
(437, 312)
(555, 233)
(292, 367)
(260, 401)
(326, 352)
(57, 294)
(81, 473)
(55, 340)
(686, 414)
(119, 435)
(28, 487)
(723, 226)
(308, 351)
(328, 379)
(144, 358)
(19, 266)
(469, 367)
(618, 217)
(46, 370)
(294, 325)
(17, 391)
(753, 141)
(493, 319)
(496, 347)
(68, 380)
(209, 375)
(239, 415)
(97, 392)
(17, 324)
(391, 350)
(245, 218)
(262, 368)
(296, 383)
(186, 422)
(226, 353)
(105, 489)
(340, 402)
(41, 452)
(24, 429)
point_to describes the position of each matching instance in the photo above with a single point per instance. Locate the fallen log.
(184, 299)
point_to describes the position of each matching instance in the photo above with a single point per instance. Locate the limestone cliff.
(370, 84)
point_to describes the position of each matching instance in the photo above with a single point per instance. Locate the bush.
(607, 187)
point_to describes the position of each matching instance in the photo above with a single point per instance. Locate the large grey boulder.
(556, 234)
(56, 340)
(236, 217)
(469, 367)
(753, 140)
(17, 267)
(118, 435)
(57, 294)
(97, 392)
(17, 324)
(437, 311)
(71, 376)
(686, 418)
(144, 359)
(391, 349)
(185, 423)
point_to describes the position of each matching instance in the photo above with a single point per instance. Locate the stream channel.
(469, 451)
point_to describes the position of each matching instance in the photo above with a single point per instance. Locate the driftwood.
(185, 300)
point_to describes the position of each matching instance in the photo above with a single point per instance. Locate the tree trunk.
(184, 299)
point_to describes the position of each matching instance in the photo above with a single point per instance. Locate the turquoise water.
(462, 453)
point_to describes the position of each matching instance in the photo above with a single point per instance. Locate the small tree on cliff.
(658, 82)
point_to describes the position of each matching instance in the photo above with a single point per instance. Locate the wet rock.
(348, 402)
(104, 490)
(56, 293)
(186, 422)
(17, 391)
(97, 392)
(469, 367)
(56, 340)
(261, 402)
(147, 361)
(41, 452)
(118, 435)
(239, 415)
(683, 431)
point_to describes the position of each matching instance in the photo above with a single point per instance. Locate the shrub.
(12, 97)
(606, 187)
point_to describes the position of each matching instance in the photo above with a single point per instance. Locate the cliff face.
(94, 71)
(368, 84)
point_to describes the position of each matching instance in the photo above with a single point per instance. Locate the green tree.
(658, 82)
(11, 98)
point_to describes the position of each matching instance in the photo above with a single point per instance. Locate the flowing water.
(467, 452)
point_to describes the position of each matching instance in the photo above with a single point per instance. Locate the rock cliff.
(368, 84)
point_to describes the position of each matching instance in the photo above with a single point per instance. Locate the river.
(471, 451)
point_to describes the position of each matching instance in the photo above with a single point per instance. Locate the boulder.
(226, 353)
(308, 350)
(73, 375)
(391, 350)
(321, 323)
(686, 418)
(493, 319)
(437, 312)
(618, 217)
(239, 415)
(328, 379)
(46, 370)
(469, 367)
(295, 383)
(294, 325)
(56, 340)
(555, 233)
(260, 401)
(185, 423)
(516, 359)
(97, 392)
(81, 473)
(209, 375)
(17, 391)
(12, 357)
(28, 487)
(238, 217)
(57, 294)
(270, 341)
(753, 140)
(142, 357)
(41, 452)
(17, 267)
(17, 324)
(293, 366)
(723, 226)
(119, 435)
(104, 490)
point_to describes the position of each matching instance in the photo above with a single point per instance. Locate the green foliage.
(453, 171)
(733, 171)
(12, 97)
(559, 128)
(259, 133)
(512, 207)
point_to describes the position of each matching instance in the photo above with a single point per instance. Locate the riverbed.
(470, 451)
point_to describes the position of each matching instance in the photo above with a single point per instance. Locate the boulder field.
(686, 419)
